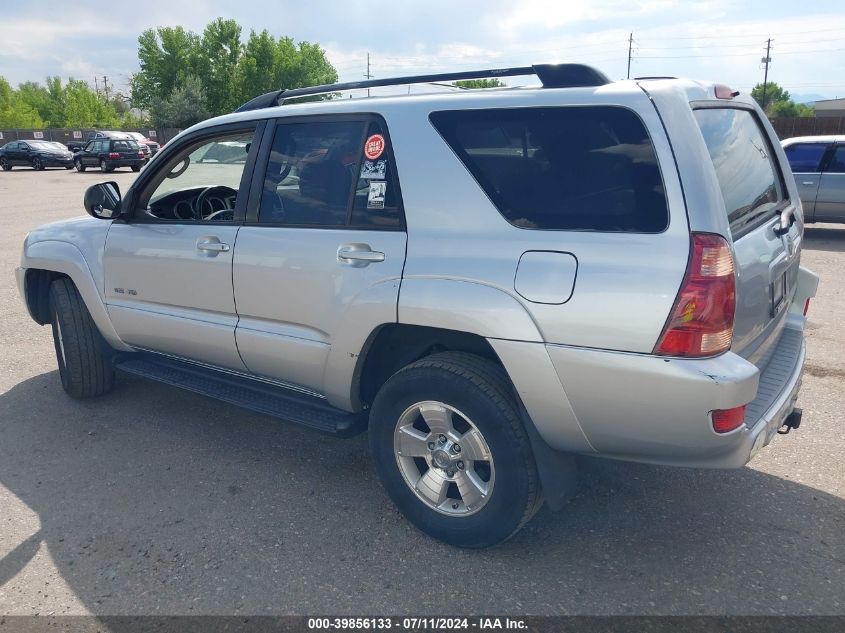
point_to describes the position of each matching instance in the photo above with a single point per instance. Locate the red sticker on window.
(374, 146)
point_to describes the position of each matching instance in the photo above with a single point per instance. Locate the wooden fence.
(808, 126)
(65, 135)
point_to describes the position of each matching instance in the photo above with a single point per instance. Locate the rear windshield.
(744, 163)
(573, 168)
(123, 146)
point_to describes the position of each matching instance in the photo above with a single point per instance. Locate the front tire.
(451, 451)
(79, 166)
(37, 165)
(83, 356)
(5, 164)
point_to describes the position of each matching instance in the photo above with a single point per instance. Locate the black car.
(35, 153)
(109, 154)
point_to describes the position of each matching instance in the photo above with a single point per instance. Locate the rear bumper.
(126, 162)
(649, 409)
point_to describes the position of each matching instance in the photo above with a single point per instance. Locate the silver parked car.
(818, 163)
(488, 281)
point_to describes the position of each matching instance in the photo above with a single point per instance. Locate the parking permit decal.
(375, 197)
(373, 170)
(374, 146)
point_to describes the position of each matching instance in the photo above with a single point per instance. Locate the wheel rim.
(444, 459)
(36, 164)
(78, 165)
(103, 165)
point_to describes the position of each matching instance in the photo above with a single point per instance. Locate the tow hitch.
(792, 421)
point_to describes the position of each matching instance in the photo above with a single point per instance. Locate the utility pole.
(96, 86)
(766, 60)
(630, 47)
(368, 75)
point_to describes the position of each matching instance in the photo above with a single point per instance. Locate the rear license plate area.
(779, 293)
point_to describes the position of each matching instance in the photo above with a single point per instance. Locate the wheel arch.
(48, 260)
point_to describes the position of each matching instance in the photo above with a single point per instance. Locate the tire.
(79, 166)
(5, 165)
(68, 167)
(83, 355)
(136, 168)
(477, 395)
(37, 165)
(104, 167)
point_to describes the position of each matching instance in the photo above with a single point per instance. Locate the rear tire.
(37, 165)
(83, 355)
(5, 164)
(493, 452)
(104, 167)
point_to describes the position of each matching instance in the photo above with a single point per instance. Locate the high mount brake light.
(724, 92)
(702, 318)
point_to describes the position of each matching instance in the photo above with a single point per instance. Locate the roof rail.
(550, 75)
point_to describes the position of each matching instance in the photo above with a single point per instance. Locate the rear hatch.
(128, 150)
(764, 226)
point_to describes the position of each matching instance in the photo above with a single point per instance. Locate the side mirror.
(102, 200)
(76, 149)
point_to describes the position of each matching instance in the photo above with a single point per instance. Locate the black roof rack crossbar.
(551, 76)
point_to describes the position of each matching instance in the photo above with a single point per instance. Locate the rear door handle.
(808, 182)
(358, 255)
(212, 246)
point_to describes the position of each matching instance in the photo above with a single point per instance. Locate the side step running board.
(275, 401)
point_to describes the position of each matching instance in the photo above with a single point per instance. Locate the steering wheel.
(218, 215)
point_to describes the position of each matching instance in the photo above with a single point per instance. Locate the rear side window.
(837, 162)
(745, 168)
(805, 157)
(573, 168)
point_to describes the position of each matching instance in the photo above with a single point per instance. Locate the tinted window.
(310, 173)
(124, 146)
(805, 157)
(576, 168)
(742, 157)
(377, 203)
(837, 163)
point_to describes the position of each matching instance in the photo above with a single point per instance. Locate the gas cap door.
(546, 276)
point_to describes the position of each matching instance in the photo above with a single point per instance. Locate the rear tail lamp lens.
(727, 420)
(114, 155)
(702, 318)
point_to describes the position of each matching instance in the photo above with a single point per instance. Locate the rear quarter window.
(805, 157)
(744, 162)
(568, 168)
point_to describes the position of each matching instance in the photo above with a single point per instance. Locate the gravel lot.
(155, 501)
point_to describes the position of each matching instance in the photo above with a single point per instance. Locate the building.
(830, 108)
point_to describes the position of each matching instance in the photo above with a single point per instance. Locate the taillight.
(702, 319)
(726, 420)
(114, 155)
(141, 154)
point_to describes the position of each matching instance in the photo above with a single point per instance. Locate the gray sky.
(721, 40)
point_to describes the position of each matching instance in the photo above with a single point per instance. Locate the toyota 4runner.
(488, 281)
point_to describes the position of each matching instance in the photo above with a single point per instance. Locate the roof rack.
(550, 75)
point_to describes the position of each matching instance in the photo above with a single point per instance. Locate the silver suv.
(490, 281)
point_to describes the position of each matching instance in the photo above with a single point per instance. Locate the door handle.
(358, 255)
(807, 182)
(212, 247)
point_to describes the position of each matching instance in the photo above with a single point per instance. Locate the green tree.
(229, 71)
(774, 93)
(184, 107)
(221, 51)
(480, 83)
(14, 111)
(167, 56)
(85, 108)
